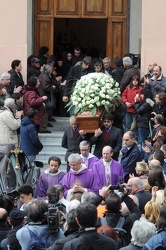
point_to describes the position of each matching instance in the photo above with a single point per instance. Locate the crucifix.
(16, 151)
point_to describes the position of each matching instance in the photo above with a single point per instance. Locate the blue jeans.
(31, 158)
(143, 134)
(128, 120)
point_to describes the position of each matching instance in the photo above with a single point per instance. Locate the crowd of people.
(112, 197)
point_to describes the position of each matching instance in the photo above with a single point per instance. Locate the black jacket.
(143, 111)
(114, 140)
(71, 142)
(74, 74)
(128, 74)
(15, 80)
(113, 218)
(70, 235)
(88, 237)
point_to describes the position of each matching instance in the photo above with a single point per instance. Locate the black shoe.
(52, 119)
(45, 132)
(49, 125)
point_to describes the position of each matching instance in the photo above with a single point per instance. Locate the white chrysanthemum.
(94, 90)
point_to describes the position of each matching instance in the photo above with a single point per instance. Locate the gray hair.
(36, 210)
(106, 59)
(84, 143)
(8, 102)
(71, 219)
(72, 205)
(74, 158)
(154, 164)
(142, 231)
(139, 183)
(4, 76)
(127, 61)
(73, 117)
(47, 68)
(87, 196)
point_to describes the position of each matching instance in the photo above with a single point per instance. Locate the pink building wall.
(153, 34)
(13, 34)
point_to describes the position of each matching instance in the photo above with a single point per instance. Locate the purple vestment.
(91, 161)
(45, 181)
(86, 178)
(116, 170)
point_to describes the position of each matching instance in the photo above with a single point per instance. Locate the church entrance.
(94, 25)
(89, 34)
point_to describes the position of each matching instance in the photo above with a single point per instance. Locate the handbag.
(51, 103)
(133, 127)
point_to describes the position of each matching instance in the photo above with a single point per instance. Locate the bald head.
(131, 181)
(3, 215)
(154, 164)
(73, 121)
(107, 153)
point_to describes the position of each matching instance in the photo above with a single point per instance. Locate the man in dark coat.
(70, 233)
(4, 228)
(86, 217)
(107, 135)
(72, 138)
(130, 154)
(75, 74)
(130, 71)
(34, 70)
(141, 194)
(16, 78)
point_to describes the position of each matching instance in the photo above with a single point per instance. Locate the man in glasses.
(87, 158)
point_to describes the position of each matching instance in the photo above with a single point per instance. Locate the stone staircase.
(52, 143)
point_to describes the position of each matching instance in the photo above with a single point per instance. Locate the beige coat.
(8, 127)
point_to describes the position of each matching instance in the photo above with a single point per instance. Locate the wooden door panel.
(44, 30)
(117, 8)
(116, 38)
(93, 8)
(44, 7)
(65, 8)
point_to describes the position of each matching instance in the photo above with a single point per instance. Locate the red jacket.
(33, 100)
(128, 96)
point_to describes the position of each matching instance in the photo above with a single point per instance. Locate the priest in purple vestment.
(50, 177)
(87, 158)
(79, 179)
(108, 171)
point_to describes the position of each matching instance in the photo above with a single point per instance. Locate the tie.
(127, 150)
(75, 132)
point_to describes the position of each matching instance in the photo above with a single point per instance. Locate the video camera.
(53, 215)
(119, 187)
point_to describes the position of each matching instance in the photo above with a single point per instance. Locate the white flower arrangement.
(93, 91)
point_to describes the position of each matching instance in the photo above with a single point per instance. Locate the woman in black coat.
(143, 111)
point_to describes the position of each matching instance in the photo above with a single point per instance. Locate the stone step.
(52, 143)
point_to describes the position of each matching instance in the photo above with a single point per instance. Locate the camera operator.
(56, 204)
(38, 226)
(113, 214)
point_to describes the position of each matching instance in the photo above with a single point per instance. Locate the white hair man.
(8, 123)
(130, 71)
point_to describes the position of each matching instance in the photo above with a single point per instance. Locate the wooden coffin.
(88, 122)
